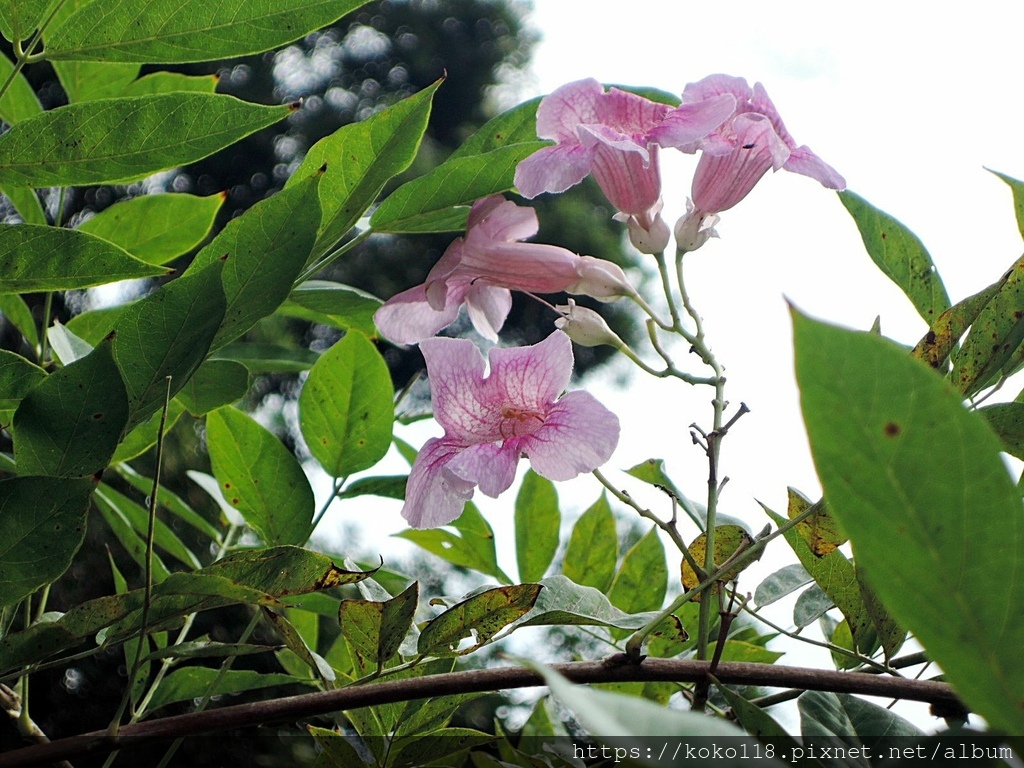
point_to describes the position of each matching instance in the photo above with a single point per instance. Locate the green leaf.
(166, 336)
(614, 715)
(297, 645)
(593, 547)
(375, 630)
(120, 140)
(208, 649)
(388, 486)
(267, 358)
(360, 159)
(255, 575)
(1017, 189)
(755, 720)
(180, 31)
(70, 425)
(259, 477)
(1007, 421)
(26, 203)
(169, 82)
(91, 80)
(346, 408)
(18, 377)
(16, 312)
(563, 602)
(144, 436)
(995, 335)
(92, 326)
(424, 204)
(169, 501)
(137, 517)
(918, 484)
(900, 255)
(133, 543)
(849, 719)
(652, 472)
(265, 249)
(481, 617)
(537, 521)
(642, 580)
(333, 304)
(40, 258)
(335, 751)
(20, 18)
(782, 582)
(472, 547)
(196, 682)
(517, 125)
(19, 102)
(811, 605)
(215, 383)
(42, 525)
(420, 751)
(156, 228)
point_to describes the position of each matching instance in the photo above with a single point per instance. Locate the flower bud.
(694, 228)
(600, 279)
(586, 327)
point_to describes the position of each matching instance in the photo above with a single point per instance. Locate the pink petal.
(483, 208)
(434, 495)
(407, 318)
(535, 267)
(593, 135)
(684, 126)
(563, 109)
(530, 378)
(721, 181)
(579, 435)
(455, 369)
(805, 162)
(553, 169)
(629, 113)
(715, 85)
(504, 221)
(631, 183)
(488, 306)
(492, 466)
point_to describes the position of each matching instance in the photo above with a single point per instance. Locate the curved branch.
(613, 670)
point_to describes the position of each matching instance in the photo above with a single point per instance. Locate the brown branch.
(610, 671)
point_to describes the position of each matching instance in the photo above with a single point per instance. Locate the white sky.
(907, 100)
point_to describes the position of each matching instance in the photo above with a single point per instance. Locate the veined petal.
(631, 183)
(455, 371)
(592, 135)
(721, 181)
(715, 85)
(686, 125)
(488, 306)
(803, 161)
(553, 169)
(501, 220)
(408, 318)
(535, 267)
(579, 435)
(492, 466)
(629, 113)
(434, 495)
(566, 107)
(530, 378)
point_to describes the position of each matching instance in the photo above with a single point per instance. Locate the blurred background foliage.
(367, 61)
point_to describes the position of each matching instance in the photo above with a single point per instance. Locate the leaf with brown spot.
(375, 630)
(481, 616)
(821, 531)
(728, 539)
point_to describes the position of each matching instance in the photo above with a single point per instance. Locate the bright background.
(910, 102)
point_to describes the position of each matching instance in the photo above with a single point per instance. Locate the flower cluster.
(494, 412)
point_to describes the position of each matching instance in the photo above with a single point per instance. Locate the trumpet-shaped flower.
(738, 153)
(479, 270)
(615, 135)
(493, 418)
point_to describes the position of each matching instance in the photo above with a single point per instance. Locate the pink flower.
(479, 270)
(739, 152)
(491, 420)
(615, 135)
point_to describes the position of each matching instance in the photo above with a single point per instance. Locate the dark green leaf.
(19, 102)
(125, 139)
(144, 436)
(849, 719)
(156, 228)
(346, 408)
(42, 525)
(333, 304)
(335, 751)
(16, 312)
(472, 547)
(538, 521)
(900, 255)
(419, 750)
(360, 159)
(563, 602)
(133, 543)
(1007, 420)
(40, 258)
(215, 383)
(425, 204)
(375, 630)
(26, 203)
(481, 616)
(513, 126)
(135, 515)
(265, 249)
(179, 31)
(297, 645)
(1017, 188)
(593, 548)
(267, 358)
(92, 326)
(917, 482)
(388, 486)
(169, 82)
(259, 477)
(784, 581)
(160, 341)
(18, 377)
(196, 682)
(70, 425)
(169, 501)
(642, 580)
(208, 649)
(91, 80)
